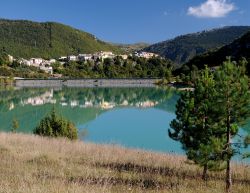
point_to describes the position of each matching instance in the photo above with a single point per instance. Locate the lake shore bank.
(86, 82)
(90, 83)
(36, 164)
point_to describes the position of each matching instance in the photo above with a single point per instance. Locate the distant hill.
(22, 38)
(185, 47)
(237, 49)
(130, 48)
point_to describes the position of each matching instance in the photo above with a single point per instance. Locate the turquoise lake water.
(131, 117)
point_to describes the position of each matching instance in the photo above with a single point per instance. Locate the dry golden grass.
(31, 164)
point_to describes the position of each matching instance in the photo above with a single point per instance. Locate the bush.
(56, 126)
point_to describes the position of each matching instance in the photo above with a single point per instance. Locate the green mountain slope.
(183, 48)
(237, 49)
(130, 48)
(32, 39)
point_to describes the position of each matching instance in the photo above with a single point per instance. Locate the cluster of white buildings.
(45, 65)
(103, 55)
(40, 63)
(91, 57)
(146, 55)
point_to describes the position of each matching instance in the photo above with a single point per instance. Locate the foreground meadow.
(31, 164)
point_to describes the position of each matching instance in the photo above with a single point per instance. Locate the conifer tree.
(194, 126)
(232, 106)
(56, 126)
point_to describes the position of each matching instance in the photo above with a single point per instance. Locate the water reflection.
(105, 98)
(81, 105)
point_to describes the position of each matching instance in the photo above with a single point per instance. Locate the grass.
(35, 164)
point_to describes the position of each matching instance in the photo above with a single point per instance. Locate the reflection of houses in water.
(64, 104)
(46, 98)
(12, 106)
(107, 105)
(74, 103)
(125, 103)
(146, 104)
(87, 104)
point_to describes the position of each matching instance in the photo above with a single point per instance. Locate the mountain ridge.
(238, 49)
(184, 47)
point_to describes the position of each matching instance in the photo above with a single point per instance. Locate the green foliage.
(232, 106)
(194, 125)
(233, 102)
(208, 118)
(247, 143)
(15, 126)
(183, 48)
(47, 40)
(55, 126)
(22, 71)
(6, 81)
(130, 48)
(133, 67)
(4, 60)
(247, 140)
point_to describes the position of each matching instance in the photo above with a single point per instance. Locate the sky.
(132, 21)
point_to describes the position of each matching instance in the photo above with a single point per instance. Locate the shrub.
(56, 126)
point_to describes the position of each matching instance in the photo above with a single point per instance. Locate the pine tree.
(232, 102)
(194, 126)
(56, 126)
(209, 118)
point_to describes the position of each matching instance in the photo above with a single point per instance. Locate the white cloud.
(212, 9)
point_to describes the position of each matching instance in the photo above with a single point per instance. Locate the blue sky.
(130, 21)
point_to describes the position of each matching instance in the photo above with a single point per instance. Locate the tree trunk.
(228, 177)
(228, 172)
(204, 175)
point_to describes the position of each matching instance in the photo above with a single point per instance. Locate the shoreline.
(86, 82)
(95, 83)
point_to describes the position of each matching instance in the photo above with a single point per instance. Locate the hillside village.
(46, 65)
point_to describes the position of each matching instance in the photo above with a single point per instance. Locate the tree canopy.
(208, 118)
(56, 126)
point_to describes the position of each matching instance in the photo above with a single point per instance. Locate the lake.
(131, 117)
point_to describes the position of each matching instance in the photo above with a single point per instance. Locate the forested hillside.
(48, 40)
(237, 50)
(185, 47)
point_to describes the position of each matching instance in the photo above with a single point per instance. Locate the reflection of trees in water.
(13, 96)
(165, 98)
(116, 96)
(29, 115)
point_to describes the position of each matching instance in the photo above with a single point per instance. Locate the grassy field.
(31, 164)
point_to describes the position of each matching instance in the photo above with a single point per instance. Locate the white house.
(124, 57)
(72, 58)
(36, 61)
(62, 58)
(52, 61)
(25, 62)
(47, 69)
(10, 58)
(146, 55)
